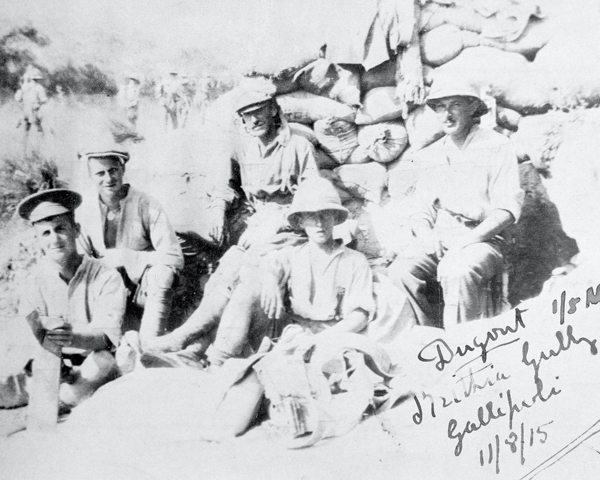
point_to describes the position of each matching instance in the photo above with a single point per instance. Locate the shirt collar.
(104, 208)
(450, 145)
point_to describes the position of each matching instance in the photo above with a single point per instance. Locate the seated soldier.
(129, 230)
(77, 300)
(329, 286)
(273, 161)
(466, 199)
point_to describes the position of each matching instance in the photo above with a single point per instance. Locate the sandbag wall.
(527, 58)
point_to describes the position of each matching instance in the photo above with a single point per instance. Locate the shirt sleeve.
(360, 293)
(167, 250)
(109, 306)
(421, 204)
(278, 263)
(504, 186)
(31, 299)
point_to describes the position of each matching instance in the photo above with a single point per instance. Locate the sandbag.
(304, 131)
(423, 127)
(322, 77)
(508, 118)
(402, 176)
(304, 107)
(365, 181)
(379, 105)
(338, 138)
(511, 79)
(434, 15)
(442, 44)
(358, 156)
(384, 142)
(383, 75)
(183, 403)
(577, 82)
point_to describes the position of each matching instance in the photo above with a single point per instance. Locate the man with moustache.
(467, 196)
(129, 231)
(273, 161)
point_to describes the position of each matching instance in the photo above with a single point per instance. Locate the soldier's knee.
(160, 276)
(454, 269)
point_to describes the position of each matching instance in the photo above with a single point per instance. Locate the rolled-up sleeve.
(167, 250)
(360, 294)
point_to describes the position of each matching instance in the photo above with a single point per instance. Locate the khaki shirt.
(142, 228)
(94, 297)
(314, 280)
(468, 183)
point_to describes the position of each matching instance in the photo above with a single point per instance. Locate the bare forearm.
(495, 223)
(353, 323)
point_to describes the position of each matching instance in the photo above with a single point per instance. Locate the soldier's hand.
(271, 298)
(215, 232)
(62, 336)
(115, 257)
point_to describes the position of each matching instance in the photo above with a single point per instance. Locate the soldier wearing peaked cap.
(128, 229)
(73, 303)
(273, 162)
(465, 204)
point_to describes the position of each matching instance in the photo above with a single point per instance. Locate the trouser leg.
(464, 275)
(243, 325)
(217, 292)
(159, 297)
(411, 275)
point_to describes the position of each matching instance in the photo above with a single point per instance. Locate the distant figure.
(60, 93)
(130, 98)
(202, 97)
(170, 93)
(186, 97)
(32, 95)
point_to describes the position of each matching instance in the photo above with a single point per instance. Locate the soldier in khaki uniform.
(32, 95)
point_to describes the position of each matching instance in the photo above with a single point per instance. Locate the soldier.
(465, 203)
(329, 287)
(130, 98)
(77, 302)
(170, 94)
(129, 230)
(273, 162)
(32, 95)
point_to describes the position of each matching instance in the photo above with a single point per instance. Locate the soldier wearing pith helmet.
(469, 197)
(129, 230)
(73, 303)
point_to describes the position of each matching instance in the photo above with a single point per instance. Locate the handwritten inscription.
(515, 443)
(506, 404)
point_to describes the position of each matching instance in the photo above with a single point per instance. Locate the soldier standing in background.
(32, 95)
(170, 93)
(130, 98)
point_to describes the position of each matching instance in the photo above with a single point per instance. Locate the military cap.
(105, 149)
(48, 203)
(251, 100)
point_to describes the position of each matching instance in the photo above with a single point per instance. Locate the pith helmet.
(48, 203)
(455, 86)
(315, 195)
